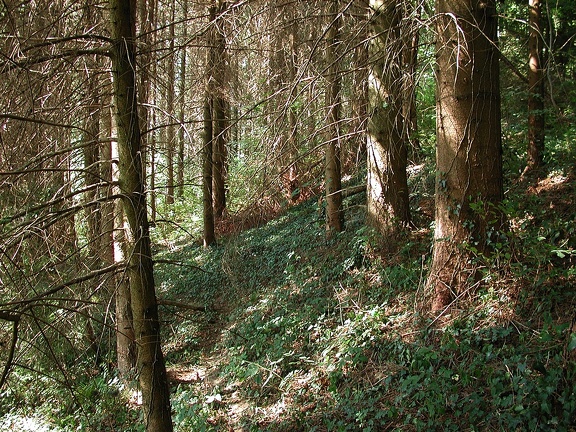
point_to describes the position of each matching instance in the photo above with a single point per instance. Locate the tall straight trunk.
(182, 105)
(333, 176)
(170, 131)
(388, 198)
(92, 172)
(146, 20)
(150, 365)
(469, 148)
(291, 165)
(208, 134)
(535, 89)
(115, 247)
(126, 350)
(411, 40)
(361, 94)
(208, 208)
(219, 111)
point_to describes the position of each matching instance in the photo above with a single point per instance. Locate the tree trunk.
(116, 252)
(208, 210)
(388, 198)
(411, 39)
(152, 372)
(360, 86)
(333, 176)
(182, 136)
(170, 131)
(146, 21)
(92, 172)
(469, 148)
(535, 89)
(219, 111)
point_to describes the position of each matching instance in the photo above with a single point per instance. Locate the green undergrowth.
(305, 333)
(280, 328)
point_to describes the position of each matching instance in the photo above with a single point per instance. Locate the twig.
(180, 264)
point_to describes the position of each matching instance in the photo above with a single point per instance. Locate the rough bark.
(469, 153)
(150, 365)
(115, 247)
(388, 198)
(208, 136)
(219, 109)
(208, 208)
(333, 176)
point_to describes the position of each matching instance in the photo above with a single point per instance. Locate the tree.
(410, 34)
(220, 110)
(170, 129)
(468, 153)
(182, 133)
(535, 88)
(150, 364)
(208, 138)
(333, 176)
(388, 198)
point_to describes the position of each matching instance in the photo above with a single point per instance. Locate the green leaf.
(572, 344)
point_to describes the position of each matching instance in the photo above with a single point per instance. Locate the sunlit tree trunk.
(388, 198)
(535, 89)
(333, 176)
(115, 251)
(150, 365)
(469, 150)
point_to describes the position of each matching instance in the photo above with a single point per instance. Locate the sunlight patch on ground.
(25, 424)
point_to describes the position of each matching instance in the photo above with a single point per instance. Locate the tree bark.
(208, 134)
(92, 172)
(535, 89)
(170, 131)
(219, 111)
(388, 198)
(469, 149)
(152, 372)
(208, 208)
(333, 176)
(115, 253)
(411, 38)
(182, 136)
(360, 102)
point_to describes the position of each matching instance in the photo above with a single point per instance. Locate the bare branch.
(9, 65)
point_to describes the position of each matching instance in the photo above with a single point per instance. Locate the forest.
(289, 215)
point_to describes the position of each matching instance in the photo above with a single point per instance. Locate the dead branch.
(11, 352)
(179, 263)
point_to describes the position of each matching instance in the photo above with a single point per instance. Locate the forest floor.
(302, 333)
(278, 328)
